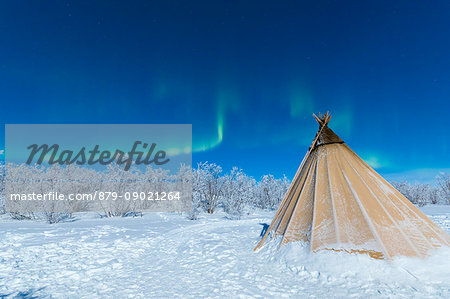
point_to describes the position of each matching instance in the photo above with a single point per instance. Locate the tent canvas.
(337, 202)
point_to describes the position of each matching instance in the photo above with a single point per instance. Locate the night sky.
(247, 74)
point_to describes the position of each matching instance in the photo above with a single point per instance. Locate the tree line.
(210, 188)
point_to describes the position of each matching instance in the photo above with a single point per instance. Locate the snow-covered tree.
(238, 190)
(209, 185)
(271, 192)
(420, 194)
(444, 184)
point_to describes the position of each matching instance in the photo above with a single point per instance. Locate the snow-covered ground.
(164, 255)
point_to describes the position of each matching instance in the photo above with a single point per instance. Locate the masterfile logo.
(93, 156)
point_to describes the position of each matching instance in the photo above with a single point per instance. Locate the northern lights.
(247, 75)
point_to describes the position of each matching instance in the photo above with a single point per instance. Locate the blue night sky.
(247, 74)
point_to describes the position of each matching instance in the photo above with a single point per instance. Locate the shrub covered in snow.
(422, 194)
(444, 184)
(238, 191)
(208, 185)
(234, 191)
(270, 191)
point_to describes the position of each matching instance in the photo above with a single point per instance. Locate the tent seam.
(293, 210)
(366, 216)
(387, 213)
(437, 233)
(336, 225)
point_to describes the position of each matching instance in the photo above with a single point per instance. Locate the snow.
(162, 255)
